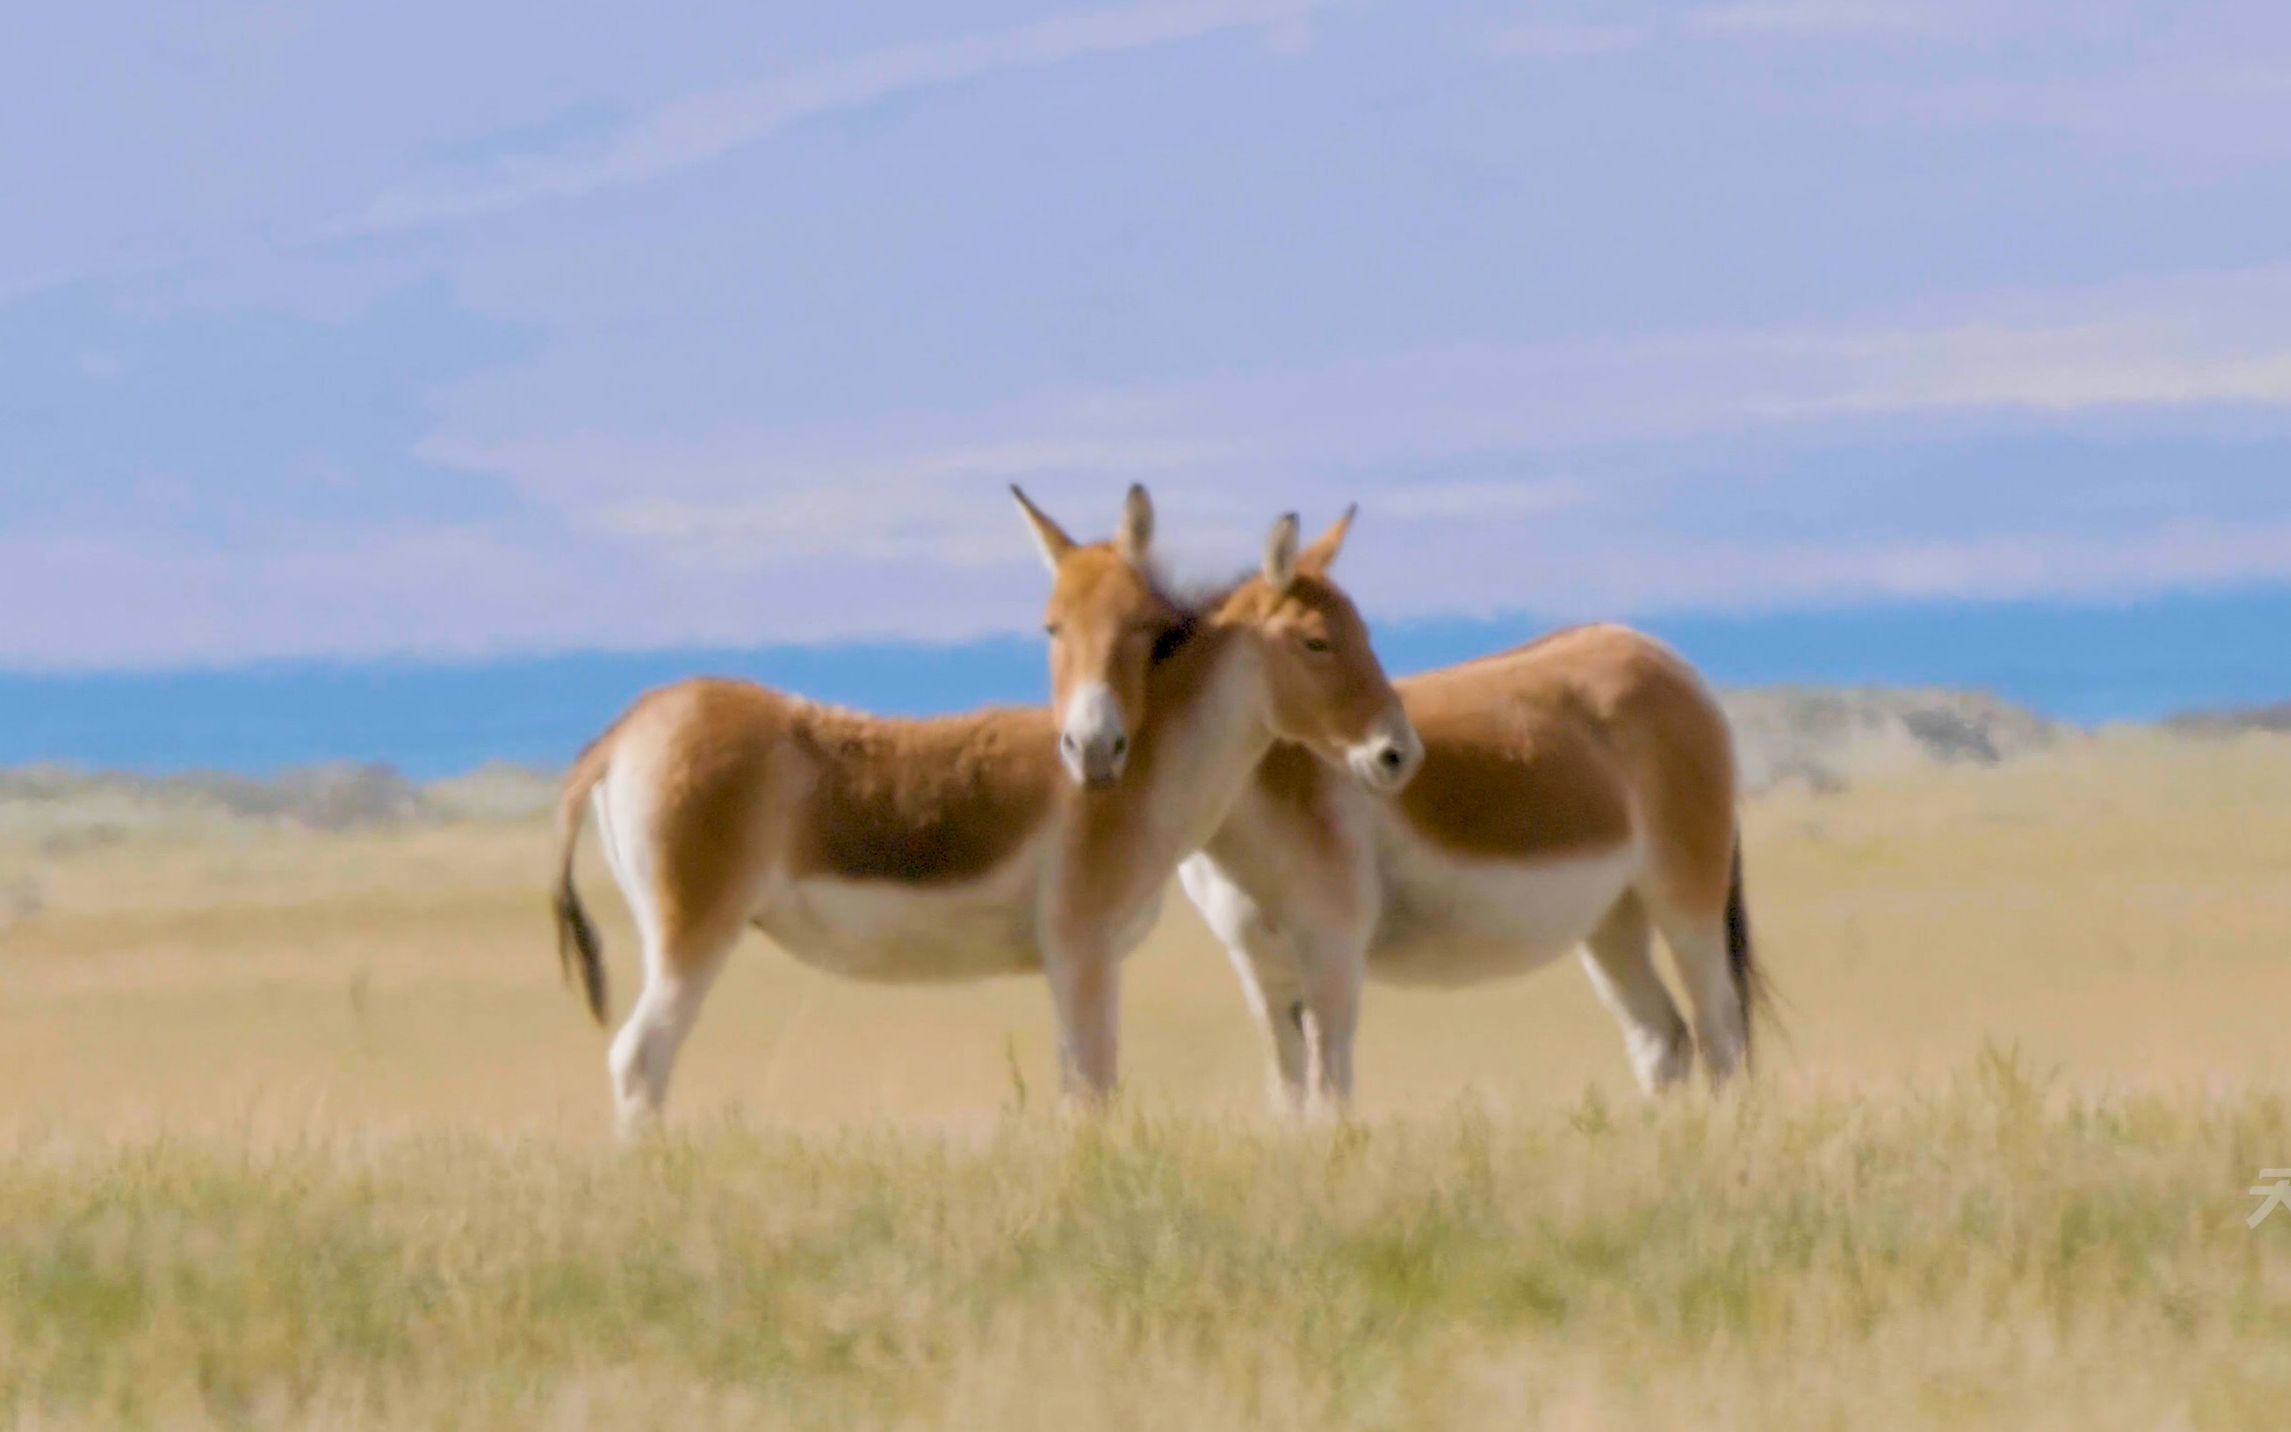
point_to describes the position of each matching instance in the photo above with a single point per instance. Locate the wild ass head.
(1108, 619)
(1329, 691)
(1106, 616)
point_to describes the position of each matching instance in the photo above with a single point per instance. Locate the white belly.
(1450, 919)
(886, 931)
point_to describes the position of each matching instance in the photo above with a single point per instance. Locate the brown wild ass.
(1579, 791)
(953, 849)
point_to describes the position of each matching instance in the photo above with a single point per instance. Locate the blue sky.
(450, 330)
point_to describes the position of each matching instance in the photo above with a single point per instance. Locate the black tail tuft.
(578, 947)
(577, 942)
(1741, 956)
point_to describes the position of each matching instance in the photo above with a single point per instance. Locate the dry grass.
(301, 1130)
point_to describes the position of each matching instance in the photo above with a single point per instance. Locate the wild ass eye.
(1050, 629)
(1316, 643)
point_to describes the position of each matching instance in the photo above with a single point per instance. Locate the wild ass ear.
(1048, 535)
(1281, 553)
(1135, 538)
(1320, 556)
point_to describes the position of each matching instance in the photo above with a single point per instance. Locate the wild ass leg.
(1309, 1008)
(1085, 986)
(1275, 991)
(678, 971)
(1698, 950)
(688, 916)
(1271, 980)
(1334, 970)
(1619, 957)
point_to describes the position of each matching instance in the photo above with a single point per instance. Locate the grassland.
(301, 1131)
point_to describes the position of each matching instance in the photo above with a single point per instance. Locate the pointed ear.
(1048, 535)
(1317, 558)
(1135, 538)
(1281, 553)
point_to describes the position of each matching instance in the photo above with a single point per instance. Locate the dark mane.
(1193, 606)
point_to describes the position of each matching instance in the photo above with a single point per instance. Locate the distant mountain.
(62, 806)
(499, 790)
(2232, 720)
(1830, 738)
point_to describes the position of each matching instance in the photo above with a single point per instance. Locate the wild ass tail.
(577, 944)
(1741, 957)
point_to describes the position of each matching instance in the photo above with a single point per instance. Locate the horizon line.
(455, 658)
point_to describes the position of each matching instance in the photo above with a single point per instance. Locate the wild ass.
(1579, 791)
(952, 849)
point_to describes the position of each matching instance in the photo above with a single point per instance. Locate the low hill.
(1828, 739)
(2233, 721)
(63, 806)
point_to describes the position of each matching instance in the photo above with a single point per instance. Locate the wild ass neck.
(1208, 725)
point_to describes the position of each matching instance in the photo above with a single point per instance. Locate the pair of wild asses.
(1473, 823)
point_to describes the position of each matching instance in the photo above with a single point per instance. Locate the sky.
(448, 331)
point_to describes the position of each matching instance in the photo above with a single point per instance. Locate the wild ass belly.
(1454, 920)
(888, 931)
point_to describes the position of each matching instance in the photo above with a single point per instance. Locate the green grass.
(1992, 1250)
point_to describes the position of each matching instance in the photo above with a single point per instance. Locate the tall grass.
(301, 1131)
(1993, 1250)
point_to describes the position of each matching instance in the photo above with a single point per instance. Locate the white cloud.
(704, 128)
(1824, 18)
(2190, 553)
(1777, 19)
(945, 512)
(1564, 40)
(1602, 572)
(472, 591)
(148, 600)
(2211, 115)
(2207, 340)
(1485, 498)
(1400, 430)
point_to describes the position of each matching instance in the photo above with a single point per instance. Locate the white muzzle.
(1388, 759)
(1091, 740)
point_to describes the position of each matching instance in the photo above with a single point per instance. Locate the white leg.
(643, 1054)
(1619, 958)
(1086, 988)
(1698, 951)
(1272, 984)
(1333, 971)
(1265, 963)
